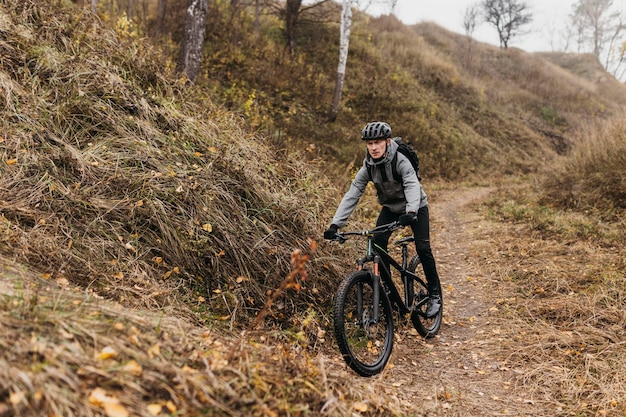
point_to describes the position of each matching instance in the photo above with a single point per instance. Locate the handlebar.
(390, 227)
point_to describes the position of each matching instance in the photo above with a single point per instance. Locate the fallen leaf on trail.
(11, 161)
(207, 227)
(106, 353)
(63, 282)
(155, 409)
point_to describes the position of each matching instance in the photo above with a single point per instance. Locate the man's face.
(376, 147)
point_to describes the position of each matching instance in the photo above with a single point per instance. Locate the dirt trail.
(463, 371)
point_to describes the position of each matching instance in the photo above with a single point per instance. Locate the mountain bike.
(367, 299)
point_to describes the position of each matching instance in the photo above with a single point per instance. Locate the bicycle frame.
(374, 254)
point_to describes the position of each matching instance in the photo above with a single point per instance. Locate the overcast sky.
(546, 32)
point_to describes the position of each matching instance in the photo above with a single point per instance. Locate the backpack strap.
(394, 169)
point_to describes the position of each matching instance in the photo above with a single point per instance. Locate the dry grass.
(69, 353)
(593, 178)
(154, 222)
(564, 303)
(112, 178)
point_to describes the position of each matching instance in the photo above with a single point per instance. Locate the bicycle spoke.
(366, 343)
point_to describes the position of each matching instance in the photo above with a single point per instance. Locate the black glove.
(407, 219)
(331, 233)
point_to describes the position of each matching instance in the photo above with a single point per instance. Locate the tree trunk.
(257, 18)
(344, 44)
(193, 38)
(292, 12)
(160, 17)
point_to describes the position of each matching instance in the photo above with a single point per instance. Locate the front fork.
(374, 317)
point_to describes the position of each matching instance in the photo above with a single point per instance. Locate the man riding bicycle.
(401, 196)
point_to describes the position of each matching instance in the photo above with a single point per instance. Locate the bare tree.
(598, 29)
(291, 15)
(471, 17)
(507, 16)
(193, 38)
(344, 44)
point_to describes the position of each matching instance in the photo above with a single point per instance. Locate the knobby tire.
(365, 346)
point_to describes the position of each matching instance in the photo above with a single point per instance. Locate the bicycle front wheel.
(365, 341)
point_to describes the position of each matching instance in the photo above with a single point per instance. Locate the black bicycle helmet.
(376, 130)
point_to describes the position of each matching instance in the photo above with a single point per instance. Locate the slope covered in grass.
(145, 220)
(125, 183)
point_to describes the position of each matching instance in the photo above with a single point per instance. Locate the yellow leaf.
(99, 397)
(170, 406)
(11, 161)
(362, 407)
(155, 350)
(155, 409)
(16, 397)
(133, 368)
(207, 227)
(106, 353)
(113, 409)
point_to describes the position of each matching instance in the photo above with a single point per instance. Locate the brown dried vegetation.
(144, 226)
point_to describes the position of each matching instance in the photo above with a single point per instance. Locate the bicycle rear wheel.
(426, 326)
(365, 344)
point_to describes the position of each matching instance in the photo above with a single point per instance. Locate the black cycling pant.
(421, 233)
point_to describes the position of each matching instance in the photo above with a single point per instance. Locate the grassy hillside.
(141, 213)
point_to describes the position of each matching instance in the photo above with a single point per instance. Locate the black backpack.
(406, 150)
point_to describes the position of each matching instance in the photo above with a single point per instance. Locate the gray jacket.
(400, 198)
